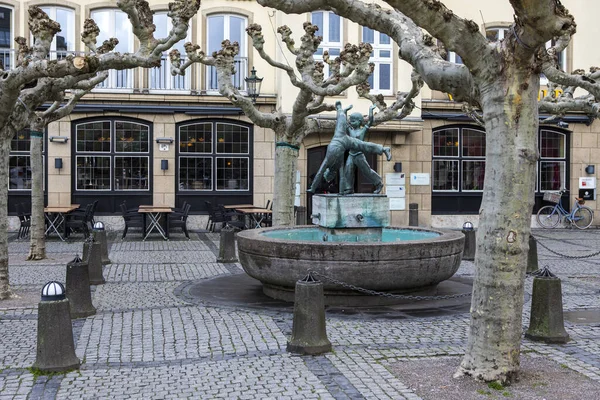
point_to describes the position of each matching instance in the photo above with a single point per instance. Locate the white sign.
(395, 191)
(398, 203)
(163, 147)
(419, 179)
(587, 183)
(395, 179)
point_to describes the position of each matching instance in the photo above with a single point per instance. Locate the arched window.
(64, 41)
(233, 27)
(114, 23)
(331, 28)
(6, 37)
(161, 78)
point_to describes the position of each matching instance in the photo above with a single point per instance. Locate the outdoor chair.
(131, 219)
(24, 220)
(179, 220)
(76, 221)
(210, 222)
(220, 215)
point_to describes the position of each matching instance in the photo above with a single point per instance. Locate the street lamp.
(253, 83)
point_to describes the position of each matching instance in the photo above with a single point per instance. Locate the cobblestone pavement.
(147, 342)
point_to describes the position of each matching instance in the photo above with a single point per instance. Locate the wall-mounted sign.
(395, 191)
(397, 203)
(587, 194)
(587, 183)
(419, 179)
(163, 147)
(395, 178)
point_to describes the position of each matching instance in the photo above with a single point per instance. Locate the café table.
(236, 206)
(55, 216)
(155, 213)
(255, 216)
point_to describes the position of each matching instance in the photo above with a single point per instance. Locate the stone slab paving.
(148, 342)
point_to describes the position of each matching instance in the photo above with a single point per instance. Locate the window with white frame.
(213, 156)
(64, 41)
(330, 27)
(232, 27)
(6, 37)
(112, 155)
(553, 161)
(19, 161)
(161, 78)
(114, 23)
(381, 79)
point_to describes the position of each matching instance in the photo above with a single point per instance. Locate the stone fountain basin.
(398, 266)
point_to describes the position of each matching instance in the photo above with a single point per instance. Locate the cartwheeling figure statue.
(340, 143)
(357, 159)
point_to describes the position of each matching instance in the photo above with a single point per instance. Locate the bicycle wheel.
(583, 217)
(548, 217)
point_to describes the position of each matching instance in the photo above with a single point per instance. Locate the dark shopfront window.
(19, 167)
(214, 163)
(458, 167)
(112, 162)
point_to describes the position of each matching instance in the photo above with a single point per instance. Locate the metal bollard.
(99, 234)
(470, 241)
(309, 332)
(227, 246)
(55, 345)
(532, 256)
(78, 289)
(92, 256)
(413, 214)
(301, 215)
(546, 323)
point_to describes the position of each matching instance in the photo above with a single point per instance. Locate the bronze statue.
(340, 143)
(357, 159)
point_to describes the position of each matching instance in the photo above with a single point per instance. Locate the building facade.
(145, 137)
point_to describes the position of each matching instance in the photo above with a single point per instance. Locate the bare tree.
(502, 79)
(351, 68)
(36, 80)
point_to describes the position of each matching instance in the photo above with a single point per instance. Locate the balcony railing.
(161, 78)
(238, 78)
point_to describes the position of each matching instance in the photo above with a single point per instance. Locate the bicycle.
(549, 216)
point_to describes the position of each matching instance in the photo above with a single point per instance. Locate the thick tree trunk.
(511, 120)
(286, 162)
(5, 291)
(37, 240)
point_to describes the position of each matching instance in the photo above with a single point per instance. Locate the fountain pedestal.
(351, 211)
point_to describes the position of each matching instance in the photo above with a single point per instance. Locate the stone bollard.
(78, 289)
(227, 246)
(301, 215)
(99, 234)
(413, 214)
(55, 345)
(93, 258)
(309, 332)
(470, 241)
(546, 323)
(532, 256)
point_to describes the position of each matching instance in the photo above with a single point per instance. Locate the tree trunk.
(37, 240)
(5, 291)
(511, 121)
(286, 163)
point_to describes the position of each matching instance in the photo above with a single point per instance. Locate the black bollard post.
(78, 289)
(55, 345)
(227, 246)
(301, 215)
(99, 234)
(413, 214)
(532, 256)
(470, 241)
(546, 323)
(93, 258)
(309, 332)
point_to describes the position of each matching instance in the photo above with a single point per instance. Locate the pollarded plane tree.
(502, 80)
(351, 68)
(36, 80)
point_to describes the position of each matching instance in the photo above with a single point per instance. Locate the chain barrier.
(565, 255)
(385, 294)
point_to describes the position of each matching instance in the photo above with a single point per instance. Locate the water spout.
(359, 217)
(325, 237)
